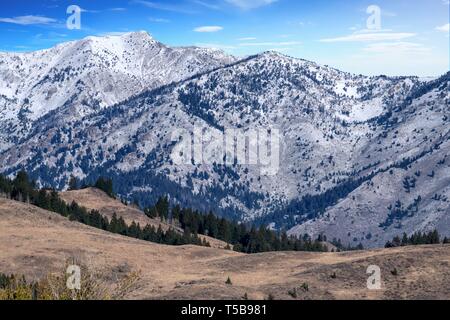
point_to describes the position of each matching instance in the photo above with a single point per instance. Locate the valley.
(34, 242)
(388, 174)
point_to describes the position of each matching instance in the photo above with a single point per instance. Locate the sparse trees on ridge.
(415, 239)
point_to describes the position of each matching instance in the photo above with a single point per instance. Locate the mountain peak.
(135, 35)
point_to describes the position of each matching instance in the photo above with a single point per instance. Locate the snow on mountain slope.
(409, 190)
(340, 136)
(88, 75)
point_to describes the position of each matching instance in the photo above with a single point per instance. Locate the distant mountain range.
(361, 158)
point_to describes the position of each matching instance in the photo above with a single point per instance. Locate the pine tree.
(396, 242)
(176, 212)
(405, 240)
(162, 207)
(114, 225)
(105, 185)
(73, 183)
(21, 187)
(151, 212)
(43, 201)
(224, 232)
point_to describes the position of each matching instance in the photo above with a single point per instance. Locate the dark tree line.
(416, 239)
(104, 184)
(24, 190)
(341, 247)
(243, 238)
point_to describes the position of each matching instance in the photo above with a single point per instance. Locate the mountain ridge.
(313, 106)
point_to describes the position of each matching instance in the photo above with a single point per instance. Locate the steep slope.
(339, 133)
(95, 199)
(34, 242)
(409, 189)
(85, 76)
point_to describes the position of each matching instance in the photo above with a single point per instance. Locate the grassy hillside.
(34, 242)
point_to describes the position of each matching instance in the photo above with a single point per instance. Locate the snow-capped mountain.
(88, 75)
(361, 158)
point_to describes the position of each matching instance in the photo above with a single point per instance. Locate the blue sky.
(411, 37)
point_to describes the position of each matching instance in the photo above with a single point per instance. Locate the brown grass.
(34, 242)
(95, 199)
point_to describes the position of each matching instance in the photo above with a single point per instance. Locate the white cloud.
(164, 7)
(444, 28)
(397, 48)
(89, 11)
(395, 58)
(208, 29)
(250, 4)
(159, 20)
(207, 5)
(29, 20)
(247, 39)
(371, 36)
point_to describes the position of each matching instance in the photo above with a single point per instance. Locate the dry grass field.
(34, 242)
(95, 199)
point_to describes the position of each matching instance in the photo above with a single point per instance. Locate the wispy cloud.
(164, 7)
(29, 20)
(250, 4)
(50, 37)
(208, 29)
(117, 9)
(247, 39)
(371, 36)
(89, 11)
(397, 47)
(159, 20)
(444, 28)
(212, 6)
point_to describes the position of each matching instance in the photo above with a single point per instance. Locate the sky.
(391, 37)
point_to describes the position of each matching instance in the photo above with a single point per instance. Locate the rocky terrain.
(361, 158)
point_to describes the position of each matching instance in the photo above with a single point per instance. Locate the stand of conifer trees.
(24, 190)
(416, 239)
(243, 239)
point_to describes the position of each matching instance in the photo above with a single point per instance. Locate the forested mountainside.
(362, 159)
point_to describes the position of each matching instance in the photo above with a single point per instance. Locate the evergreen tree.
(105, 185)
(73, 183)
(162, 207)
(151, 212)
(405, 240)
